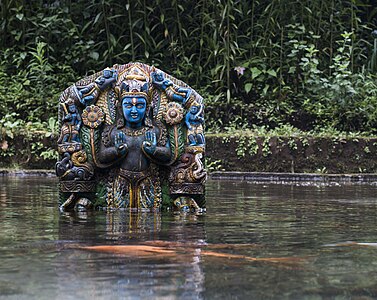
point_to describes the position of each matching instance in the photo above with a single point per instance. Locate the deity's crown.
(134, 83)
(70, 101)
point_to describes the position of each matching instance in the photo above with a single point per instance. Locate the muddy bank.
(232, 153)
(292, 154)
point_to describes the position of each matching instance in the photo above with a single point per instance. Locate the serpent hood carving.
(131, 137)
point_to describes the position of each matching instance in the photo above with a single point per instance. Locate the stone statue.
(139, 135)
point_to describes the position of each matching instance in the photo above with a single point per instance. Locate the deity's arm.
(107, 154)
(162, 153)
(188, 120)
(113, 146)
(78, 122)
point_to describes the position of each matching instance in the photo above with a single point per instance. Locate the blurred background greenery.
(307, 65)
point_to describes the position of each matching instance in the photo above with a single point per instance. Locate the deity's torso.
(136, 160)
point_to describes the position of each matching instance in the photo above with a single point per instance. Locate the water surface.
(40, 255)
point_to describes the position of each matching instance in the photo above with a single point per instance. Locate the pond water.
(256, 241)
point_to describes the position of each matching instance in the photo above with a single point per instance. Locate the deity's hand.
(120, 143)
(150, 143)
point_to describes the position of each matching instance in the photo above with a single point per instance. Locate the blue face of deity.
(134, 108)
(72, 108)
(159, 76)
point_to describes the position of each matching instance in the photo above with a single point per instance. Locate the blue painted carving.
(194, 121)
(174, 93)
(132, 136)
(72, 123)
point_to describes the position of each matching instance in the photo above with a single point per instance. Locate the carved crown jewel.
(134, 83)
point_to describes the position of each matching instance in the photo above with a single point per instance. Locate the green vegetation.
(247, 139)
(280, 65)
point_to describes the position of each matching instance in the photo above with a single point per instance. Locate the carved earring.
(120, 121)
(148, 118)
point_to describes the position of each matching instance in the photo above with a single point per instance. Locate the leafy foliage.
(309, 64)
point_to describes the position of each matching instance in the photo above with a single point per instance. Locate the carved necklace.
(135, 132)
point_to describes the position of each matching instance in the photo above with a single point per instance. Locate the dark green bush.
(310, 64)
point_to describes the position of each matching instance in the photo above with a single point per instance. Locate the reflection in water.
(132, 224)
(236, 250)
(138, 271)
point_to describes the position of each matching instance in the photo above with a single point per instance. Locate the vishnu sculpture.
(131, 137)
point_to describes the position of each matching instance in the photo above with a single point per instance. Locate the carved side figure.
(174, 93)
(71, 124)
(194, 122)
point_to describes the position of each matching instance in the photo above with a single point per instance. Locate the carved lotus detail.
(174, 113)
(93, 116)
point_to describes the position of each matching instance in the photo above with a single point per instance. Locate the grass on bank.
(288, 131)
(38, 139)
